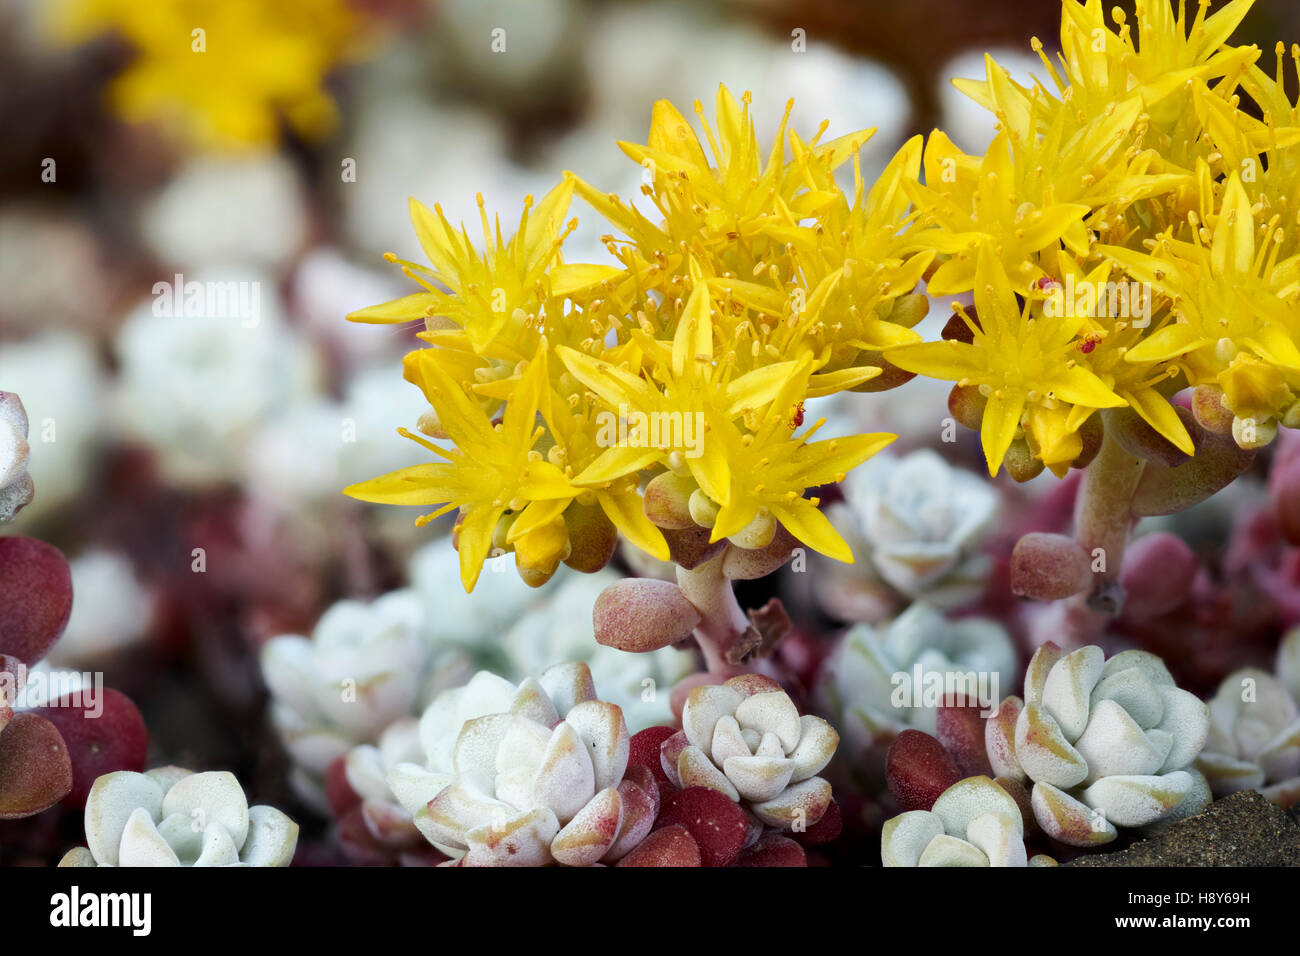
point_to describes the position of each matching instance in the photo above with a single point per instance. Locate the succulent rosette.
(972, 823)
(870, 678)
(527, 774)
(1254, 739)
(918, 521)
(1105, 743)
(175, 817)
(364, 667)
(746, 739)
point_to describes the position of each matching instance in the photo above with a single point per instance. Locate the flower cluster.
(563, 388)
(1128, 233)
(223, 75)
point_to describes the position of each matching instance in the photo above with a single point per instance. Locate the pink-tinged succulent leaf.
(918, 769)
(743, 564)
(35, 597)
(670, 752)
(585, 839)
(773, 850)
(1000, 740)
(360, 845)
(1165, 491)
(643, 750)
(35, 768)
(670, 846)
(642, 614)
(1139, 439)
(695, 769)
(1158, 573)
(1065, 819)
(1049, 567)
(691, 547)
(99, 741)
(799, 805)
(682, 689)
(1044, 752)
(639, 792)
(717, 824)
(961, 732)
(747, 685)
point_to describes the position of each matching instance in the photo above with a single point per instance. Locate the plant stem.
(724, 632)
(1103, 516)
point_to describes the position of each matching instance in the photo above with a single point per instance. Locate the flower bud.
(667, 500)
(1048, 567)
(966, 405)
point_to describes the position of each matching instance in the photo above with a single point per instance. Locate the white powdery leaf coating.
(1150, 664)
(695, 769)
(1068, 688)
(361, 671)
(704, 707)
(1044, 752)
(497, 776)
(1254, 733)
(1000, 740)
(172, 817)
(1000, 838)
(773, 712)
(758, 778)
(1113, 743)
(1068, 820)
(945, 850)
(905, 837)
(920, 516)
(1134, 691)
(973, 797)
(1187, 719)
(800, 803)
(728, 741)
(15, 483)
(1137, 800)
(1040, 665)
(818, 741)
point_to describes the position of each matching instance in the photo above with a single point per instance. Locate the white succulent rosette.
(560, 628)
(870, 677)
(746, 739)
(919, 519)
(367, 768)
(453, 615)
(1254, 740)
(972, 823)
(526, 775)
(175, 817)
(1104, 743)
(15, 483)
(364, 667)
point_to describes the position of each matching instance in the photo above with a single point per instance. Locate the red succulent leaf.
(718, 825)
(825, 830)
(35, 597)
(918, 769)
(960, 730)
(644, 750)
(669, 846)
(35, 769)
(773, 850)
(107, 737)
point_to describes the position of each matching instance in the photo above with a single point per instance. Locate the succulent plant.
(175, 817)
(373, 827)
(746, 739)
(1254, 739)
(864, 676)
(974, 822)
(15, 483)
(1104, 743)
(35, 600)
(527, 775)
(560, 628)
(918, 519)
(364, 667)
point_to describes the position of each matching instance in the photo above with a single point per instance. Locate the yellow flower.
(1028, 364)
(225, 74)
(493, 471)
(1229, 295)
